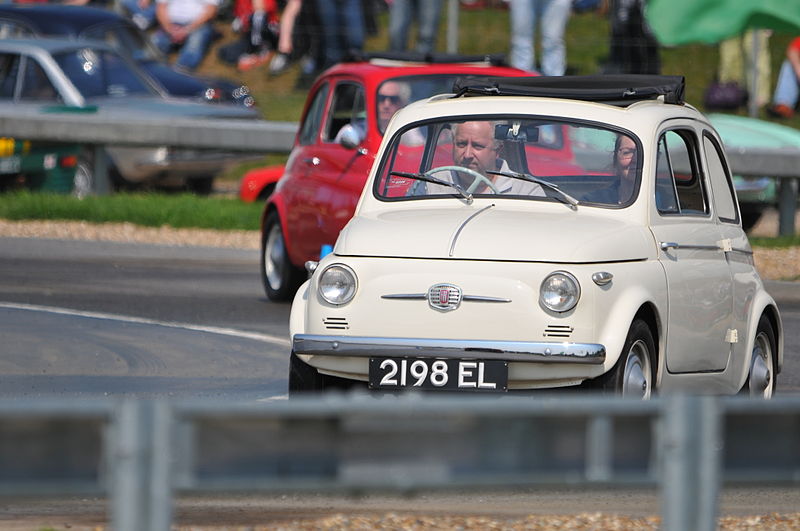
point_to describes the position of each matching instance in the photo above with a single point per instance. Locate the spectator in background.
(787, 89)
(633, 47)
(343, 29)
(185, 25)
(427, 14)
(551, 16)
(141, 12)
(282, 58)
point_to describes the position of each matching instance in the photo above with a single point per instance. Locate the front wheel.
(279, 276)
(761, 379)
(633, 375)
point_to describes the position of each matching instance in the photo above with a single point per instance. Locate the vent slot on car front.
(558, 331)
(335, 323)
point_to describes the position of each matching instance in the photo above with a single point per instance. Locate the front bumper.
(511, 351)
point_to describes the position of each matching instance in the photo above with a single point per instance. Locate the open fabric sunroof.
(611, 89)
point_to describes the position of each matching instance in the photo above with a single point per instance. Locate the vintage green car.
(45, 166)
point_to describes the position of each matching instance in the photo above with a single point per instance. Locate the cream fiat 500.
(539, 233)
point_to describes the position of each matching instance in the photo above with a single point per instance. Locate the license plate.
(438, 374)
(10, 164)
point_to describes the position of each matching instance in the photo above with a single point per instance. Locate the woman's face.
(626, 153)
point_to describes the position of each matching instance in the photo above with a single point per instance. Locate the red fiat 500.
(343, 121)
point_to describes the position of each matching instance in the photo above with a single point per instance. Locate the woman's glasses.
(627, 152)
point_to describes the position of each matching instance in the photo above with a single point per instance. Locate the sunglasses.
(393, 99)
(627, 152)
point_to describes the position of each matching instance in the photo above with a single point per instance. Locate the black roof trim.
(619, 90)
(433, 58)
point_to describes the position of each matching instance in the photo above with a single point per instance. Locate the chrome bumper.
(540, 352)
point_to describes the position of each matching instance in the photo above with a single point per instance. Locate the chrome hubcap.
(273, 257)
(82, 182)
(761, 368)
(636, 380)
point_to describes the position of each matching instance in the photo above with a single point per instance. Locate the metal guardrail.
(143, 453)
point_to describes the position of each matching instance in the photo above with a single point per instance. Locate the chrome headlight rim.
(570, 304)
(349, 296)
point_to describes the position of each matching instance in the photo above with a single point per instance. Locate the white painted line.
(266, 338)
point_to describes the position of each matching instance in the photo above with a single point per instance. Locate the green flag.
(676, 22)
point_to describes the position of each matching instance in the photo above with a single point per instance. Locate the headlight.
(560, 291)
(337, 284)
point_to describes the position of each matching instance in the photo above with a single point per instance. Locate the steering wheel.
(478, 177)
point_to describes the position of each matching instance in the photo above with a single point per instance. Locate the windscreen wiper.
(427, 178)
(564, 196)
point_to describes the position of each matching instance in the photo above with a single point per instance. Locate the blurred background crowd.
(263, 40)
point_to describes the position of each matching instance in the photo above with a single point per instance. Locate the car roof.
(59, 19)
(386, 65)
(51, 45)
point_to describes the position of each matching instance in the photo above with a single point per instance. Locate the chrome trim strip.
(464, 224)
(530, 351)
(665, 246)
(481, 298)
(423, 296)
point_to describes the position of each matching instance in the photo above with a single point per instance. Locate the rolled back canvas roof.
(611, 89)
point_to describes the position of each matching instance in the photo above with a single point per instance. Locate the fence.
(144, 453)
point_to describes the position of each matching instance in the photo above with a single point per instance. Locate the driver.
(476, 149)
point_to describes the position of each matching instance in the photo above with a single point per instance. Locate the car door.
(299, 185)
(698, 276)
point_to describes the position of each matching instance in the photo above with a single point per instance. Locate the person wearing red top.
(787, 89)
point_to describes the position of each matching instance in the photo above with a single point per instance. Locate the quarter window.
(310, 127)
(679, 182)
(36, 85)
(724, 201)
(347, 108)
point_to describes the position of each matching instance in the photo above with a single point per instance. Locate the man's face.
(389, 102)
(474, 147)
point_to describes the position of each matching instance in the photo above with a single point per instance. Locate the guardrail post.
(141, 494)
(101, 184)
(691, 453)
(787, 206)
(129, 487)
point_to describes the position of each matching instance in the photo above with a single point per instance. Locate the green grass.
(150, 210)
(775, 243)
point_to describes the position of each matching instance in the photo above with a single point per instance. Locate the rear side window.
(9, 68)
(679, 182)
(721, 186)
(310, 128)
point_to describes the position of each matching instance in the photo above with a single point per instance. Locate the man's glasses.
(627, 152)
(394, 99)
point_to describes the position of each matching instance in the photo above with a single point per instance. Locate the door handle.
(666, 246)
(313, 161)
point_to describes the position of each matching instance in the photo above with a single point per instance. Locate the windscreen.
(523, 158)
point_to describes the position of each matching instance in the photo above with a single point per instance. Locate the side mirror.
(349, 136)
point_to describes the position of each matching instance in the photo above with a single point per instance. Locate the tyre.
(200, 185)
(279, 276)
(761, 379)
(303, 378)
(634, 373)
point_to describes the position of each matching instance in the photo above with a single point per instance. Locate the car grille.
(558, 331)
(335, 323)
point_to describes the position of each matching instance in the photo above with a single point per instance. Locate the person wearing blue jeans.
(142, 12)
(426, 13)
(185, 25)
(343, 28)
(551, 16)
